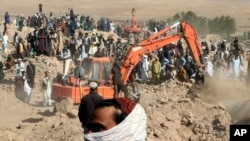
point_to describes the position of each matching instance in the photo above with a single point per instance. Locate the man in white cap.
(88, 104)
(20, 67)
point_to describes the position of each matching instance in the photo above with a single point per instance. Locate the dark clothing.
(72, 48)
(79, 72)
(119, 86)
(236, 46)
(87, 107)
(1, 71)
(9, 62)
(213, 48)
(116, 76)
(31, 72)
(7, 18)
(200, 77)
(223, 47)
(42, 42)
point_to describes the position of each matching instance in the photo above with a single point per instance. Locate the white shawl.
(132, 128)
(209, 68)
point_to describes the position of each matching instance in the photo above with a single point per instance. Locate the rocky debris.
(73, 113)
(64, 106)
(180, 113)
(21, 126)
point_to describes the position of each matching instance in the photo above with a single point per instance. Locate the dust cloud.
(233, 94)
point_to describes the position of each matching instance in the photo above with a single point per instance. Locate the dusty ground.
(171, 107)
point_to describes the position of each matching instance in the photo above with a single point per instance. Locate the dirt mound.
(170, 108)
(47, 125)
(173, 109)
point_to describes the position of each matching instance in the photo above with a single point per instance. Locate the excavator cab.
(96, 69)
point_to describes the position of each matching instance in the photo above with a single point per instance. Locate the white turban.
(132, 128)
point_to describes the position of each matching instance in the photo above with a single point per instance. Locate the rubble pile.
(174, 114)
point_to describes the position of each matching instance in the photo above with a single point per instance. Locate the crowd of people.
(57, 37)
(223, 59)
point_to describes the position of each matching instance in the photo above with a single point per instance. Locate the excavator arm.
(157, 41)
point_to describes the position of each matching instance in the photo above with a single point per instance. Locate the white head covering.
(144, 57)
(132, 128)
(93, 85)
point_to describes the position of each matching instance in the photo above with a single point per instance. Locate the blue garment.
(164, 62)
(72, 28)
(7, 18)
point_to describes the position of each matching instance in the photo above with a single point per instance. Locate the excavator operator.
(117, 82)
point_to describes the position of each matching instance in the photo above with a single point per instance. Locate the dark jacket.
(116, 71)
(1, 71)
(79, 72)
(116, 76)
(31, 70)
(87, 106)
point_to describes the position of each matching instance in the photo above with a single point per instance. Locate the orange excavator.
(133, 27)
(99, 69)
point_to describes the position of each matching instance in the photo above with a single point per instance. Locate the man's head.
(80, 34)
(52, 30)
(78, 61)
(23, 73)
(47, 73)
(30, 62)
(120, 119)
(19, 60)
(20, 40)
(93, 86)
(116, 110)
